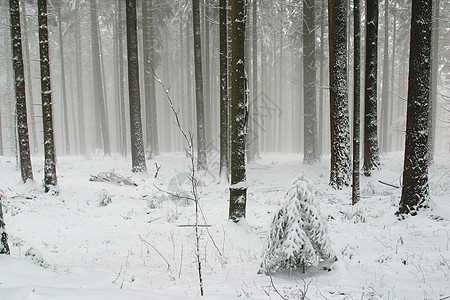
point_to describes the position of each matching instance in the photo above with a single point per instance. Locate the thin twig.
(154, 248)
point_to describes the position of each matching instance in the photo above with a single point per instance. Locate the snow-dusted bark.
(224, 99)
(151, 129)
(238, 189)
(19, 84)
(199, 102)
(137, 141)
(339, 120)
(298, 236)
(311, 139)
(415, 191)
(371, 150)
(4, 248)
(99, 96)
(356, 101)
(46, 94)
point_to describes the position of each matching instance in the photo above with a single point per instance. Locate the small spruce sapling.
(298, 235)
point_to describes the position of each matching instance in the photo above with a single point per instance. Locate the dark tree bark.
(99, 96)
(356, 101)
(311, 141)
(50, 180)
(415, 191)
(339, 123)
(19, 84)
(254, 107)
(199, 101)
(137, 141)
(238, 189)
(63, 81)
(79, 75)
(371, 151)
(223, 54)
(321, 75)
(4, 248)
(149, 80)
(385, 94)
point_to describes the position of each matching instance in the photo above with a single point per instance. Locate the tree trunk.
(79, 75)
(371, 151)
(311, 141)
(4, 248)
(223, 53)
(238, 188)
(63, 81)
(356, 100)
(123, 123)
(385, 96)
(19, 84)
(201, 142)
(434, 81)
(415, 191)
(339, 123)
(321, 75)
(254, 107)
(99, 97)
(50, 180)
(30, 107)
(137, 141)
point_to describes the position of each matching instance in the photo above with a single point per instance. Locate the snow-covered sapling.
(4, 248)
(298, 235)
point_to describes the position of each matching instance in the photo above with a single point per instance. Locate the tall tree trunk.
(385, 96)
(415, 191)
(79, 75)
(311, 153)
(63, 81)
(1, 132)
(19, 84)
(321, 75)
(254, 107)
(50, 180)
(149, 80)
(137, 140)
(30, 107)
(371, 151)
(391, 90)
(238, 188)
(356, 100)
(223, 53)
(201, 142)
(206, 78)
(123, 123)
(99, 96)
(434, 81)
(4, 248)
(339, 122)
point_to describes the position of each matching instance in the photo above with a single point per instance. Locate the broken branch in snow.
(168, 264)
(111, 177)
(388, 184)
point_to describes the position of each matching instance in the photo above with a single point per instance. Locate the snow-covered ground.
(139, 247)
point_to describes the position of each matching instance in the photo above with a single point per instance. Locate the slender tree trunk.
(391, 90)
(19, 84)
(99, 97)
(223, 170)
(339, 122)
(255, 113)
(385, 98)
(311, 153)
(238, 188)
(149, 81)
(123, 123)
(63, 80)
(33, 137)
(321, 75)
(434, 81)
(415, 191)
(137, 140)
(201, 142)
(50, 180)
(4, 248)
(1, 132)
(79, 75)
(356, 100)
(371, 151)
(206, 78)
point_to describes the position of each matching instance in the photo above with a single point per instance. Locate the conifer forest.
(223, 149)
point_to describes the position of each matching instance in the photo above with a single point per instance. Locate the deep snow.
(135, 248)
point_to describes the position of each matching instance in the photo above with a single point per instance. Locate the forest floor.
(141, 245)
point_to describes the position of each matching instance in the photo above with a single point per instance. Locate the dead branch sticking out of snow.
(111, 177)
